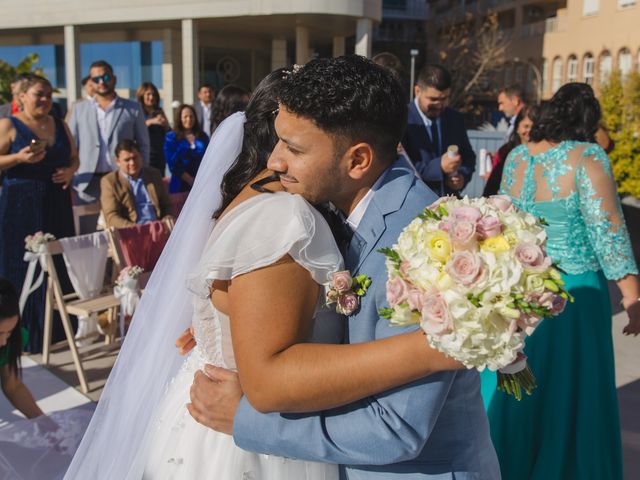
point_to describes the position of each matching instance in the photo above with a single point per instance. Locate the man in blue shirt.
(133, 194)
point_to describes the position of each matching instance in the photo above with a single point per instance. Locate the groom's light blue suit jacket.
(434, 428)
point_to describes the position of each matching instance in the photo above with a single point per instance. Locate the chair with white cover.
(85, 257)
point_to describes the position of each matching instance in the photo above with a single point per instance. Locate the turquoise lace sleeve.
(508, 174)
(602, 214)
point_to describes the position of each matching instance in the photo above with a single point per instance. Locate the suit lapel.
(128, 200)
(387, 199)
(151, 190)
(118, 108)
(424, 138)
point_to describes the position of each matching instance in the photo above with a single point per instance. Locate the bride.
(141, 428)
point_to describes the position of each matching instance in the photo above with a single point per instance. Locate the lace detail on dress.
(571, 186)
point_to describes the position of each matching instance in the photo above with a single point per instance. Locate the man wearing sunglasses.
(98, 125)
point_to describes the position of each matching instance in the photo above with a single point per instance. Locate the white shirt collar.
(427, 121)
(355, 217)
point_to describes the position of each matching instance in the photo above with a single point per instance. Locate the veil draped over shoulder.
(114, 443)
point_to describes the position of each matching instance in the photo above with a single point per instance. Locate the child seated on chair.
(133, 194)
(13, 338)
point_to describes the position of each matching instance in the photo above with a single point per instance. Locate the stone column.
(190, 74)
(363, 37)
(278, 53)
(171, 72)
(302, 45)
(72, 63)
(338, 46)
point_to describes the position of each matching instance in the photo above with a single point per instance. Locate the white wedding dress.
(255, 234)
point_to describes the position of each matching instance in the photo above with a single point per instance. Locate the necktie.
(435, 137)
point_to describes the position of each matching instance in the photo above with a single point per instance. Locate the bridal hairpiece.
(294, 69)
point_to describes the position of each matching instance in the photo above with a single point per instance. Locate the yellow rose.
(439, 246)
(497, 244)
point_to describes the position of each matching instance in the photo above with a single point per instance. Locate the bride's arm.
(271, 311)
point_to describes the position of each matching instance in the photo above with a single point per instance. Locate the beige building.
(588, 40)
(184, 42)
(552, 42)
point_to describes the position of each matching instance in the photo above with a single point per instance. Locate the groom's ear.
(360, 160)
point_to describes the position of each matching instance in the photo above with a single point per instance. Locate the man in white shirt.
(98, 125)
(206, 95)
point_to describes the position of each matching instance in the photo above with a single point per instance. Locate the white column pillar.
(302, 45)
(171, 73)
(338, 46)
(278, 53)
(363, 37)
(190, 74)
(72, 63)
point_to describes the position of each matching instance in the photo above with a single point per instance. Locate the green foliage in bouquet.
(620, 100)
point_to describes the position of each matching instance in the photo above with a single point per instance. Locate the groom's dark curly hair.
(351, 98)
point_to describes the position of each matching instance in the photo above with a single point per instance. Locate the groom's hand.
(215, 396)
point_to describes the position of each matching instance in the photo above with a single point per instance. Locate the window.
(606, 65)
(519, 75)
(545, 75)
(587, 69)
(556, 80)
(590, 7)
(626, 3)
(625, 63)
(572, 69)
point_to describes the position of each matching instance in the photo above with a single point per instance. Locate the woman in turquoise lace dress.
(569, 427)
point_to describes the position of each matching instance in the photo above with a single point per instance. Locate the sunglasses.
(105, 78)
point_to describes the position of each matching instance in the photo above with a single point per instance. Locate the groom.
(431, 428)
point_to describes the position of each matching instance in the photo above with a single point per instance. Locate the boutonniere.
(345, 291)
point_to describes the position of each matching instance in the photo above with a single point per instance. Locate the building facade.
(180, 44)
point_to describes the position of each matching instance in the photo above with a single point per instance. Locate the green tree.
(9, 72)
(620, 100)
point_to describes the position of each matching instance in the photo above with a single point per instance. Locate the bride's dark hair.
(258, 141)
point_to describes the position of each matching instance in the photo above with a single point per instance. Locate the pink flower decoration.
(501, 202)
(435, 315)
(415, 299)
(465, 267)
(488, 227)
(532, 257)
(342, 281)
(397, 290)
(348, 303)
(463, 234)
(466, 214)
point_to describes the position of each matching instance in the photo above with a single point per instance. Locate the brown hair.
(31, 79)
(179, 128)
(144, 86)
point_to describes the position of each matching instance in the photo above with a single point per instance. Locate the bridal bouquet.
(474, 274)
(33, 243)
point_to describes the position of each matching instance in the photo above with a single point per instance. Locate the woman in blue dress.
(569, 427)
(184, 148)
(38, 160)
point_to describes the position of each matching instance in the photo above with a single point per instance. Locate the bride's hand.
(215, 396)
(186, 342)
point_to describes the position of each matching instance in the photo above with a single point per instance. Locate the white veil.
(114, 446)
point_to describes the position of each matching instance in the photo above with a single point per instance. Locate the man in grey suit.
(432, 428)
(202, 107)
(98, 125)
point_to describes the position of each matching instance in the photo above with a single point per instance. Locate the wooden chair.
(88, 210)
(70, 304)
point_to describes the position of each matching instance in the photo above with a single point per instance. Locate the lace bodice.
(256, 233)
(571, 187)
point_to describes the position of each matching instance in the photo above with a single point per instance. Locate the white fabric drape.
(85, 257)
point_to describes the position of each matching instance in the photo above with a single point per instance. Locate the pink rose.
(553, 302)
(466, 213)
(435, 315)
(463, 234)
(414, 299)
(528, 322)
(342, 281)
(532, 257)
(465, 267)
(445, 225)
(501, 202)
(489, 227)
(434, 206)
(404, 268)
(397, 290)
(348, 303)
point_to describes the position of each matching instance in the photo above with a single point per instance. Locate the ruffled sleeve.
(260, 231)
(600, 206)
